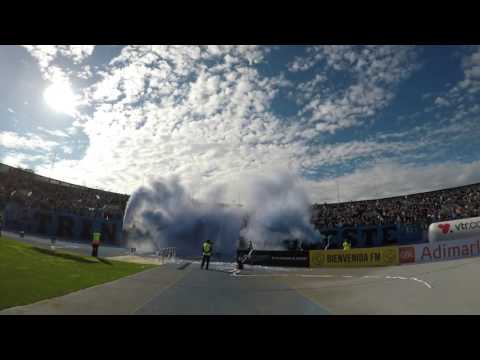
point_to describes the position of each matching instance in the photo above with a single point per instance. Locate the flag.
(30, 194)
(13, 192)
(98, 197)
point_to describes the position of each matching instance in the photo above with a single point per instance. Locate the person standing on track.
(207, 252)
(95, 243)
(346, 245)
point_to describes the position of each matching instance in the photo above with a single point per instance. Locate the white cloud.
(196, 120)
(57, 133)
(44, 54)
(12, 140)
(67, 150)
(47, 54)
(10, 110)
(334, 154)
(471, 69)
(192, 119)
(440, 101)
(464, 89)
(77, 53)
(308, 88)
(302, 63)
(374, 70)
(394, 179)
(85, 72)
(18, 159)
(204, 113)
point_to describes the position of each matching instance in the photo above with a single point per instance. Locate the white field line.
(237, 273)
(422, 282)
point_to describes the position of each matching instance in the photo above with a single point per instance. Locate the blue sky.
(376, 120)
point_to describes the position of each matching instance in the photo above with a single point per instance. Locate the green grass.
(29, 274)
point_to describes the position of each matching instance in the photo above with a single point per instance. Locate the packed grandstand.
(422, 208)
(31, 192)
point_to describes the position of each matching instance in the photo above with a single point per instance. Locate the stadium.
(51, 208)
(313, 180)
(38, 210)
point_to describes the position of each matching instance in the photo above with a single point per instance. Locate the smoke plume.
(274, 208)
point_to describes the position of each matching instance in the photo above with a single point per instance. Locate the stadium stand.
(420, 209)
(410, 214)
(32, 191)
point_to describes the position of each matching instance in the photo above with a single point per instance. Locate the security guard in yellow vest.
(346, 245)
(95, 243)
(207, 252)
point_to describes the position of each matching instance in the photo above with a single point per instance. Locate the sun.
(60, 97)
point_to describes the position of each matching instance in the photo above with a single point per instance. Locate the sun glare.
(60, 97)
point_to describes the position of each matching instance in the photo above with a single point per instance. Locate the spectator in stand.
(35, 192)
(422, 208)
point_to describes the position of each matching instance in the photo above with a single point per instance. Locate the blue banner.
(61, 225)
(373, 236)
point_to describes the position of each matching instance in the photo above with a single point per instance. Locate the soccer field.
(29, 274)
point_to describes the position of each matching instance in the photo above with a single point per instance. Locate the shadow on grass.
(105, 261)
(67, 256)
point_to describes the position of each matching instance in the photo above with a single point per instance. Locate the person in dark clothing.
(207, 252)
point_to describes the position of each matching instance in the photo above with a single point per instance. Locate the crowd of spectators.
(421, 208)
(32, 191)
(37, 192)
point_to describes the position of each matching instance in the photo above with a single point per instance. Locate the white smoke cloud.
(278, 209)
(276, 206)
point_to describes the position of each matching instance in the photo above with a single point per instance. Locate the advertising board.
(463, 229)
(276, 258)
(376, 256)
(440, 251)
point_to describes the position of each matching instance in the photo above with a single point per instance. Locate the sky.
(353, 122)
